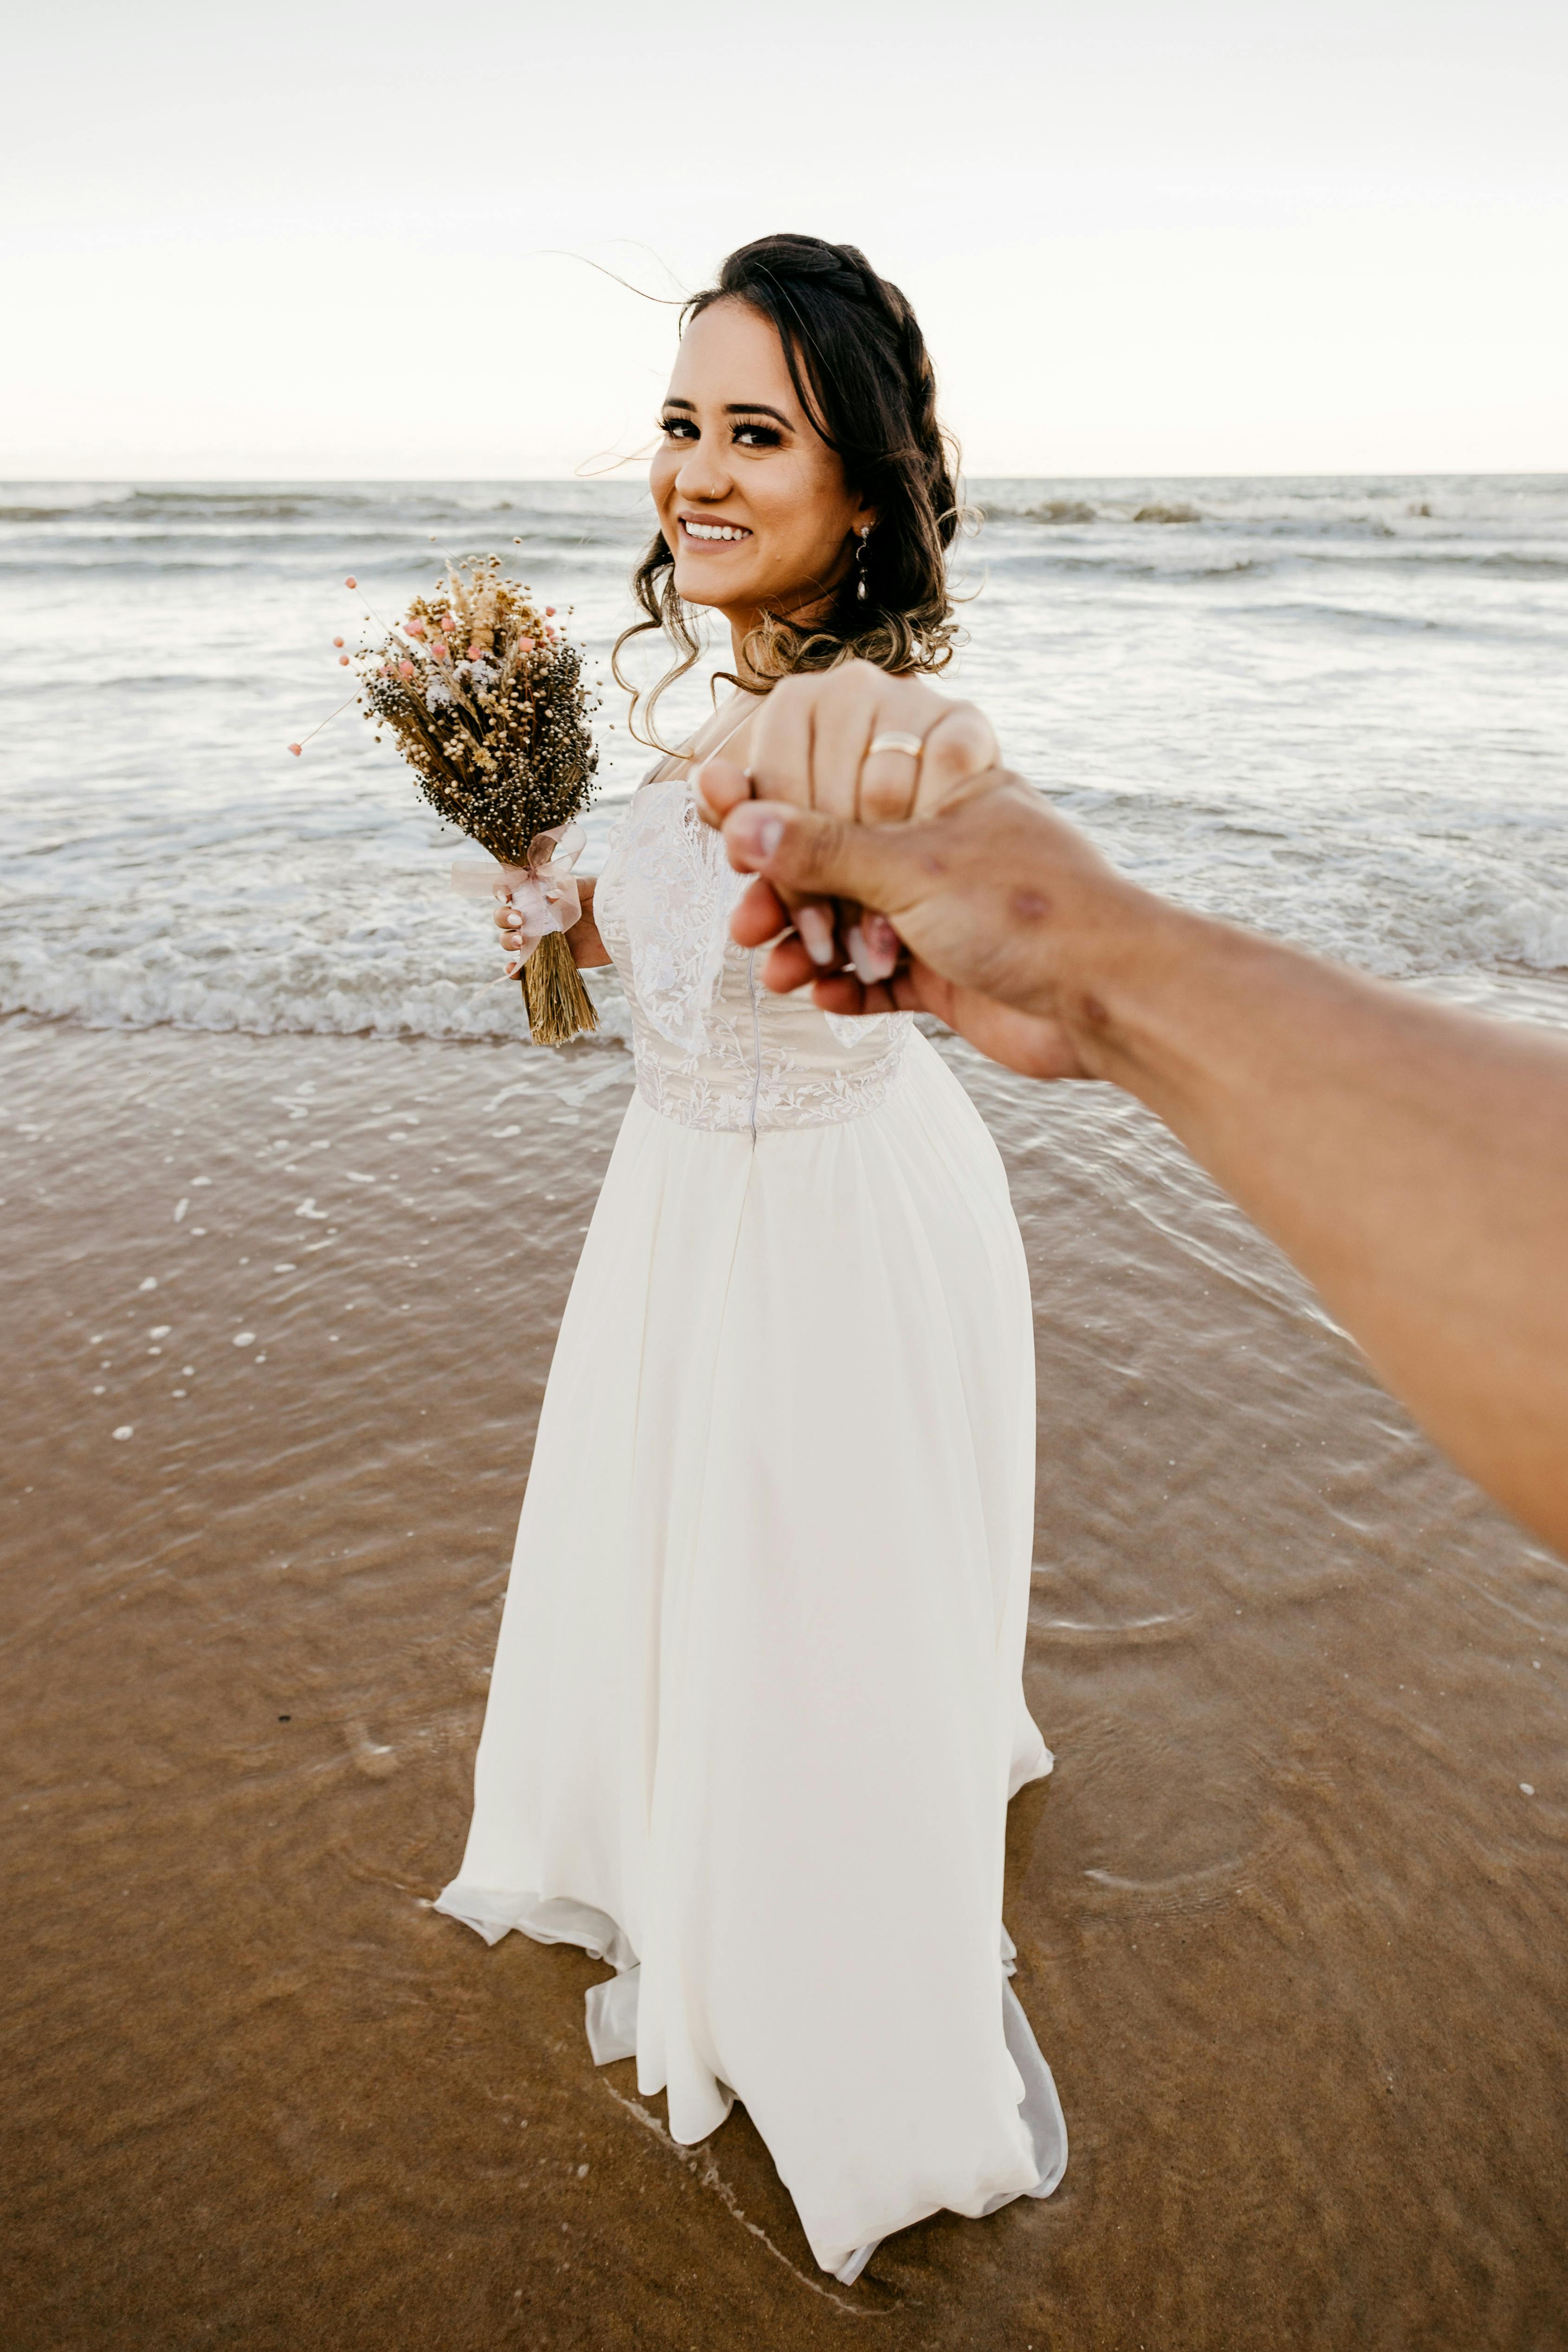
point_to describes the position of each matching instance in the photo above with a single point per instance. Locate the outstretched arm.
(1411, 1160)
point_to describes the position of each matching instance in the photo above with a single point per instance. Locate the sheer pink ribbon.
(544, 891)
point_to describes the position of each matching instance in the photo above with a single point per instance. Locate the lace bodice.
(713, 1047)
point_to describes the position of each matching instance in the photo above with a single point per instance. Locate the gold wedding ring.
(910, 743)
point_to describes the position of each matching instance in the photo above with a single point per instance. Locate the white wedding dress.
(757, 1708)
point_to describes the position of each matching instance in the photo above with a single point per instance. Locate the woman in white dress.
(757, 1709)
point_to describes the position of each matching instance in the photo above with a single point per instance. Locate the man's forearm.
(1411, 1160)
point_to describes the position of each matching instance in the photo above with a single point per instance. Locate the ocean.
(1337, 709)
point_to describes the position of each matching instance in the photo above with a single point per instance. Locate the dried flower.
(499, 741)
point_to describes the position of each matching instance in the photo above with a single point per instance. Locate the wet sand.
(1291, 1931)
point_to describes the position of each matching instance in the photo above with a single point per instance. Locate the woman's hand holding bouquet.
(485, 695)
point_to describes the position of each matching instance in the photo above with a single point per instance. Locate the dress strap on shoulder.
(684, 758)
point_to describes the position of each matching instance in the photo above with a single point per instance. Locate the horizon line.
(593, 481)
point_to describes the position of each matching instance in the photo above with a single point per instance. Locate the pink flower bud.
(337, 641)
(443, 653)
(414, 628)
(475, 651)
(449, 622)
(550, 612)
(296, 749)
(350, 581)
(343, 661)
(526, 645)
(405, 669)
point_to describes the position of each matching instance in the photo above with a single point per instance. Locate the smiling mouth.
(711, 534)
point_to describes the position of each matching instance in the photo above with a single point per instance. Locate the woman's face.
(751, 500)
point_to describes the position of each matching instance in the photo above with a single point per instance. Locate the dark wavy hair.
(861, 371)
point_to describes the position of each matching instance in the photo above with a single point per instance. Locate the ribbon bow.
(543, 891)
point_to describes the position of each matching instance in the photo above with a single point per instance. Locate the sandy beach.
(1290, 1912)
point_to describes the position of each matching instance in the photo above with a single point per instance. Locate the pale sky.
(1143, 236)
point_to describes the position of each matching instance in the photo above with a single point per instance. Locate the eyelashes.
(744, 432)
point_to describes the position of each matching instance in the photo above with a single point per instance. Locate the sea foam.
(1335, 709)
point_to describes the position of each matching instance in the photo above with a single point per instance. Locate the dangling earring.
(860, 564)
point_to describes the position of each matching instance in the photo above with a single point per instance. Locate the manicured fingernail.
(882, 940)
(870, 965)
(755, 831)
(817, 932)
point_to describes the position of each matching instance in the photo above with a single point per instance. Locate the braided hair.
(861, 371)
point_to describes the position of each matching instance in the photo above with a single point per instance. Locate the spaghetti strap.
(684, 758)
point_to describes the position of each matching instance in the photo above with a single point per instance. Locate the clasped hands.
(940, 883)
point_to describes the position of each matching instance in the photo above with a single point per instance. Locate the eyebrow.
(735, 408)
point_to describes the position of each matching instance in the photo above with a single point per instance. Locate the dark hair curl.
(861, 371)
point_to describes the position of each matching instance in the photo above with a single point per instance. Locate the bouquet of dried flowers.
(486, 695)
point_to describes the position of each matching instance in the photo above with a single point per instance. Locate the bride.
(757, 1708)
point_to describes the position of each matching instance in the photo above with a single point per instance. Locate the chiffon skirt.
(756, 1709)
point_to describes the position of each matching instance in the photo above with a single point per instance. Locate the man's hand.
(963, 865)
(864, 854)
(992, 898)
